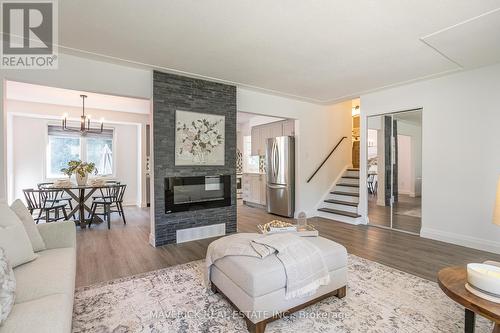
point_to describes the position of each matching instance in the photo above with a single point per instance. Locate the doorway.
(394, 170)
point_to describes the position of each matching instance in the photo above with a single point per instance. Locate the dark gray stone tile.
(171, 93)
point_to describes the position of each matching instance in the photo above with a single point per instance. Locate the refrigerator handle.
(277, 161)
(271, 159)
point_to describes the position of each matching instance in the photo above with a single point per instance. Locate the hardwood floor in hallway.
(381, 215)
(124, 250)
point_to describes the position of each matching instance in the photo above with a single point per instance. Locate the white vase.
(201, 158)
(81, 181)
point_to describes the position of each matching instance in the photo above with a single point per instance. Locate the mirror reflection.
(394, 170)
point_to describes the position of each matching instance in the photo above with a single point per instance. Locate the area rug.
(379, 299)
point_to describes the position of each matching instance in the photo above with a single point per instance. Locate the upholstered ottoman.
(256, 286)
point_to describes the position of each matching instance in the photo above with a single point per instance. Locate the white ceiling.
(322, 50)
(27, 92)
(471, 43)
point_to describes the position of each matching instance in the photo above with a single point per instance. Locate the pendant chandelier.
(84, 122)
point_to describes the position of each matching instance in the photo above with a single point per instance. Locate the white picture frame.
(199, 138)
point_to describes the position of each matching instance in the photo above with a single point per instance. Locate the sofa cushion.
(58, 234)
(7, 287)
(29, 224)
(258, 277)
(13, 238)
(50, 314)
(53, 272)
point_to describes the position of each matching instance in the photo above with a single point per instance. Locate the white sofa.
(46, 285)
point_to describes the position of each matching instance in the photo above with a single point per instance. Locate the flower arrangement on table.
(80, 169)
(199, 138)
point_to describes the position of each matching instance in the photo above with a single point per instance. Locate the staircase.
(341, 203)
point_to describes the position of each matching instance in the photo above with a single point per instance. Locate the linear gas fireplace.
(194, 193)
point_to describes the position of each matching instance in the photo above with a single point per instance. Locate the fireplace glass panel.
(213, 189)
(194, 193)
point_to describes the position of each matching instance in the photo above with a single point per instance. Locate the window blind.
(56, 130)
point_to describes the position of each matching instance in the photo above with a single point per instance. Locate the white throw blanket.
(303, 262)
(233, 245)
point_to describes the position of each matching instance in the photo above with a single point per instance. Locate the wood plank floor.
(104, 255)
(381, 215)
(124, 250)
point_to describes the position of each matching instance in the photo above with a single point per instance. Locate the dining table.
(80, 194)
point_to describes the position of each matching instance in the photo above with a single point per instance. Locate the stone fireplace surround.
(170, 93)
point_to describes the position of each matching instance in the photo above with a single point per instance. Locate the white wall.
(28, 156)
(405, 182)
(261, 120)
(78, 74)
(372, 137)
(414, 131)
(256, 120)
(318, 129)
(460, 152)
(136, 136)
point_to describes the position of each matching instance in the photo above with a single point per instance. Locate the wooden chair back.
(117, 192)
(38, 199)
(109, 191)
(121, 193)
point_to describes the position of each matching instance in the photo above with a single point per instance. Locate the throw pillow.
(7, 287)
(29, 224)
(13, 238)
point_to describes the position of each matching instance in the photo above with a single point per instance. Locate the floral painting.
(199, 138)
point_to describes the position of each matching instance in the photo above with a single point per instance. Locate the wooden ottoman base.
(260, 327)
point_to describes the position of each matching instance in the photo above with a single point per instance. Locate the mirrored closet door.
(394, 170)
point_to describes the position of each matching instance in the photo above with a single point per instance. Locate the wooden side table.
(452, 281)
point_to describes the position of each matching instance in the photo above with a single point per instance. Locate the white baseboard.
(457, 239)
(152, 241)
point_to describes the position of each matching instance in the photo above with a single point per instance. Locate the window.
(250, 163)
(65, 146)
(100, 152)
(61, 150)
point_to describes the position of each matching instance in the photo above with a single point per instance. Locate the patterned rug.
(379, 299)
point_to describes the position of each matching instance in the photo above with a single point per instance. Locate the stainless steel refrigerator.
(280, 178)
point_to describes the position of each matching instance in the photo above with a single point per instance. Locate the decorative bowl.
(484, 277)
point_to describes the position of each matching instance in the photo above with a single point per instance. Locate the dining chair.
(112, 203)
(107, 192)
(44, 201)
(62, 197)
(369, 181)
